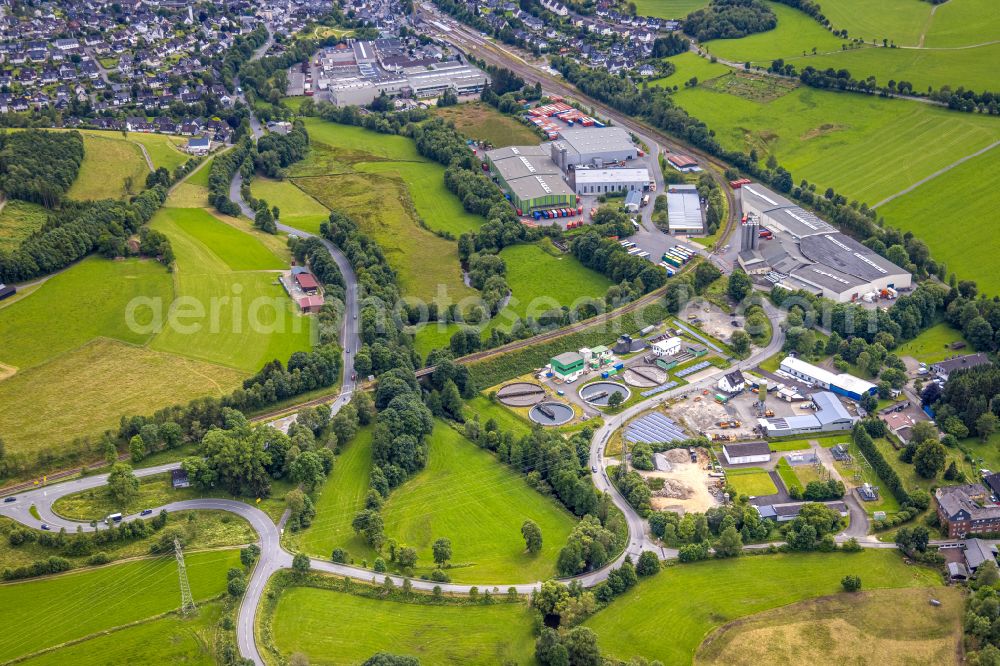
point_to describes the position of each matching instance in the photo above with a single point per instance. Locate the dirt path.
(145, 154)
(937, 173)
(927, 26)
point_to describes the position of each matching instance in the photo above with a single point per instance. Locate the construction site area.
(684, 480)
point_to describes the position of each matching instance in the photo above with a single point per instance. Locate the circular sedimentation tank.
(599, 393)
(551, 413)
(520, 394)
(644, 376)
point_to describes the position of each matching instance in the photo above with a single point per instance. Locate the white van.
(113, 518)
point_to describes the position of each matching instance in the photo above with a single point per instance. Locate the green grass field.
(484, 123)
(966, 195)
(202, 530)
(800, 444)
(539, 282)
(689, 600)
(382, 182)
(18, 220)
(841, 627)
(164, 150)
(108, 163)
(93, 295)
(670, 9)
(241, 317)
(505, 418)
(463, 494)
(932, 345)
(963, 23)
(901, 21)
(959, 46)
(753, 481)
(297, 208)
(690, 65)
(838, 139)
(165, 640)
(84, 391)
(340, 497)
(55, 610)
(339, 628)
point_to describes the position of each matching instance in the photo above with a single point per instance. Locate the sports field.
(844, 140)
(752, 481)
(166, 640)
(933, 344)
(333, 627)
(18, 220)
(54, 610)
(839, 628)
(482, 122)
(229, 308)
(463, 494)
(964, 197)
(297, 209)
(112, 168)
(692, 599)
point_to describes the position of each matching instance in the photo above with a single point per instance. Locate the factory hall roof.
(848, 256)
(597, 139)
(683, 207)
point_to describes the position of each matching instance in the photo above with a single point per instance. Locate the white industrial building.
(747, 453)
(842, 384)
(602, 181)
(684, 210)
(808, 253)
(593, 146)
(667, 347)
(829, 416)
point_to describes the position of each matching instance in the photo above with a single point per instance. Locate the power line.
(187, 601)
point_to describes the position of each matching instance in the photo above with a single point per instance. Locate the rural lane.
(274, 557)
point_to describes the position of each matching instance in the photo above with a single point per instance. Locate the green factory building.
(530, 178)
(567, 366)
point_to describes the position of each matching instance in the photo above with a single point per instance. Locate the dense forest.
(277, 151)
(730, 19)
(39, 166)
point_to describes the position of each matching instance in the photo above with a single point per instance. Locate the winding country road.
(274, 557)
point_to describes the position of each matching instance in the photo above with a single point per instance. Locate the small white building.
(749, 452)
(667, 347)
(733, 382)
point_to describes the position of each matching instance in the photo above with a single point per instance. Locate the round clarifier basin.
(551, 413)
(599, 393)
(521, 394)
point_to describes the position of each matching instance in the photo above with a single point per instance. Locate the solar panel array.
(692, 369)
(654, 428)
(659, 389)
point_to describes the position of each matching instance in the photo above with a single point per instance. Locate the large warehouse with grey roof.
(808, 253)
(530, 178)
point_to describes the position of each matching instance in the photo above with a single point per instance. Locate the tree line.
(224, 167)
(39, 166)
(76, 230)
